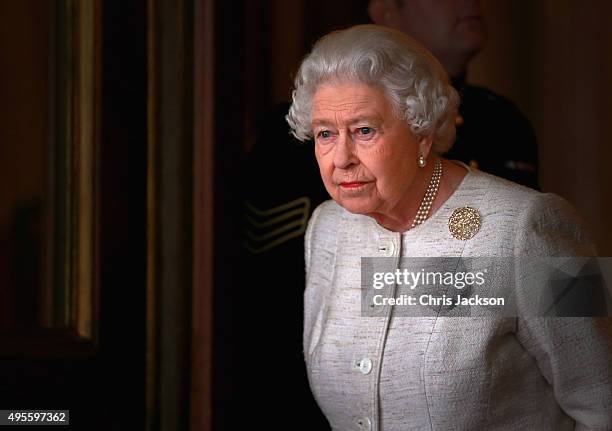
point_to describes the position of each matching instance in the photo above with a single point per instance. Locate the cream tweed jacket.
(448, 373)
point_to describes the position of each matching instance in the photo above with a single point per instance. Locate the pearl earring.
(422, 162)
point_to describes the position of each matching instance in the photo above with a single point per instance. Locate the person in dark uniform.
(503, 144)
(492, 134)
(284, 187)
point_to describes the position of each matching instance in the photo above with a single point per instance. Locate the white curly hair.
(414, 81)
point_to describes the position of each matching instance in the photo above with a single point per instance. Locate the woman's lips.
(353, 184)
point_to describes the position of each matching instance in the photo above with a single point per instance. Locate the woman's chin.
(356, 205)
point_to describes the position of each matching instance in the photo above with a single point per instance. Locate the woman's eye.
(365, 133)
(324, 134)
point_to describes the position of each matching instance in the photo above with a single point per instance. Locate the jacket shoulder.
(479, 102)
(524, 222)
(551, 226)
(489, 98)
(323, 227)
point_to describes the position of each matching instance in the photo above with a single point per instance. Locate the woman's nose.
(344, 155)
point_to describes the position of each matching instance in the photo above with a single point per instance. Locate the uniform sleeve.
(574, 354)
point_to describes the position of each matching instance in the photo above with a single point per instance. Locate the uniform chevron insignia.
(266, 229)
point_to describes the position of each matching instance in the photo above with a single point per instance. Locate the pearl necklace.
(430, 195)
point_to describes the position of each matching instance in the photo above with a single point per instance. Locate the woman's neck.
(401, 219)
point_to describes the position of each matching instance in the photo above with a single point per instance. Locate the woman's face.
(367, 157)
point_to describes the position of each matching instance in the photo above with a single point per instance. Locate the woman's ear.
(383, 12)
(425, 145)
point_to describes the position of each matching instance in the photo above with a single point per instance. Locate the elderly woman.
(381, 111)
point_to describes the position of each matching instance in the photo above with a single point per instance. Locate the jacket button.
(365, 366)
(364, 424)
(387, 249)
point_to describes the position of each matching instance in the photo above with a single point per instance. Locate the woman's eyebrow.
(321, 122)
(371, 118)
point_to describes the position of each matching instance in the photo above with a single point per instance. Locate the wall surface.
(23, 104)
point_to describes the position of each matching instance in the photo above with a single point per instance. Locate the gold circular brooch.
(464, 223)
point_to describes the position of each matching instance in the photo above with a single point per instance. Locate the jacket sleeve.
(308, 240)
(317, 268)
(574, 354)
